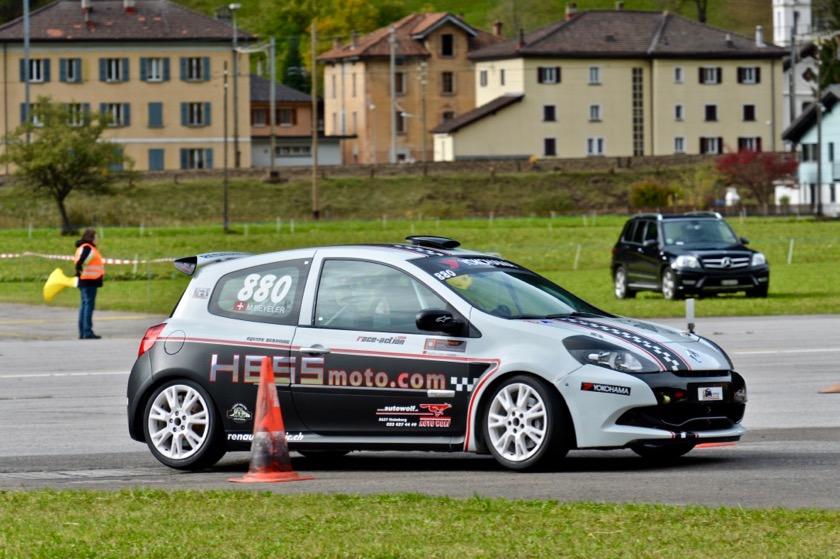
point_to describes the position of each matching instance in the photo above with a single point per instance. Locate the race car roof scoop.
(433, 242)
(189, 264)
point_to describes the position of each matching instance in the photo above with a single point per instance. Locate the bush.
(652, 193)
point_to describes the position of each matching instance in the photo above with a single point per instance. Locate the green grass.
(160, 524)
(574, 251)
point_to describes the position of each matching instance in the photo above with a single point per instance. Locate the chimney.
(86, 7)
(759, 37)
(619, 6)
(354, 40)
(521, 42)
(497, 28)
(336, 42)
(129, 7)
(729, 40)
(571, 10)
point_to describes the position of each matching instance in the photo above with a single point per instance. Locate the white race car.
(418, 346)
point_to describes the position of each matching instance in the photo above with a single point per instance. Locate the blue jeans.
(86, 311)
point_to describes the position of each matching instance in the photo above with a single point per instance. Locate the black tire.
(182, 427)
(670, 285)
(620, 283)
(758, 292)
(664, 451)
(525, 424)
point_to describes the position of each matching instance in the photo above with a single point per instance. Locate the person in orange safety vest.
(90, 270)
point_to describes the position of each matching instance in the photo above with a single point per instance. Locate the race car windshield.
(506, 290)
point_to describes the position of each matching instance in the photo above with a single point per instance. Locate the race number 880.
(258, 288)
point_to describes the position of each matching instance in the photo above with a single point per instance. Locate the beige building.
(620, 83)
(387, 89)
(157, 68)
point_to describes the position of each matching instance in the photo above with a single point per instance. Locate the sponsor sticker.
(710, 393)
(239, 413)
(459, 346)
(605, 388)
(201, 293)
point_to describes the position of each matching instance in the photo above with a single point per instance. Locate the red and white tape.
(66, 257)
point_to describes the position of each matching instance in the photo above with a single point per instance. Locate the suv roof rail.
(706, 213)
(648, 214)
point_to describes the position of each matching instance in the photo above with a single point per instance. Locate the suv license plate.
(729, 282)
(710, 393)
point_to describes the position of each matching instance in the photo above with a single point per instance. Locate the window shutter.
(208, 158)
(46, 63)
(22, 70)
(205, 68)
(718, 75)
(143, 70)
(156, 159)
(103, 108)
(557, 69)
(185, 157)
(740, 75)
(184, 115)
(155, 114)
(166, 69)
(700, 75)
(539, 75)
(86, 110)
(23, 113)
(206, 114)
(294, 116)
(126, 114)
(720, 145)
(183, 63)
(125, 69)
(757, 75)
(102, 70)
(78, 64)
(62, 69)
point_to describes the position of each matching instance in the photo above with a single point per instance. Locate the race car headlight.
(591, 351)
(685, 261)
(758, 259)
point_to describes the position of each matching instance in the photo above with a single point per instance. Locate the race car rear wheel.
(526, 425)
(182, 428)
(663, 451)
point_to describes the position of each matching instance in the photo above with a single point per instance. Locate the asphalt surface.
(63, 425)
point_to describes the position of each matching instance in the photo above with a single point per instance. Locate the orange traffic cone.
(270, 460)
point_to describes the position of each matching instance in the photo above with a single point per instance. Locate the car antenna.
(689, 314)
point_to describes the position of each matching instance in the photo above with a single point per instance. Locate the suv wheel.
(669, 284)
(621, 289)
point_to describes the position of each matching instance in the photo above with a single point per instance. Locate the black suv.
(694, 253)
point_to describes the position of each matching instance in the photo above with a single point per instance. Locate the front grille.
(701, 374)
(685, 417)
(726, 262)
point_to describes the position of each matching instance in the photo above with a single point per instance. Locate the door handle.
(315, 350)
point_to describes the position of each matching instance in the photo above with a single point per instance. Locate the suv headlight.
(685, 261)
(758, 259)
(591, 351)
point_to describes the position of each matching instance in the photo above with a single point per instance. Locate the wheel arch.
(484, 402)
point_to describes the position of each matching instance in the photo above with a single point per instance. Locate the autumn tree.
(756, 171)
(60, 149)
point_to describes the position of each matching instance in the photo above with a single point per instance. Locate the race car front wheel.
(182, 427)
(526, 425)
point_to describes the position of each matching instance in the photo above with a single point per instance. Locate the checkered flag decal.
(666, 357)
(462, 385)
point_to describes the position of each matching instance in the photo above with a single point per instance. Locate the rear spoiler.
(189, 264)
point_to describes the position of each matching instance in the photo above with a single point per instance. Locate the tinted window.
(269, 293)
(359, 295)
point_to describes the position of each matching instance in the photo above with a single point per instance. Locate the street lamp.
(236, 161)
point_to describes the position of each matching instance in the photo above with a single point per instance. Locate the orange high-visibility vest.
(93, 268)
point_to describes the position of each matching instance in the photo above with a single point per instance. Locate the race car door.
(365, 368)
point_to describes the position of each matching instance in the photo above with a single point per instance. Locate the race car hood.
(670, 348)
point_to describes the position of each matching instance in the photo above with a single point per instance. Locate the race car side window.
(269, 293)
(360, 295)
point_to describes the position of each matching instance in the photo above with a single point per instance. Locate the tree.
(756, 171)
(60, 149)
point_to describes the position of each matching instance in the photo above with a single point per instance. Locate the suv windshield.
(504, 289)
(699, 232)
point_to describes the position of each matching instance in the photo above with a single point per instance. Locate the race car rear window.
(269, 293)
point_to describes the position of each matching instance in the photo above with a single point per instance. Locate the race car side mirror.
(437, 320)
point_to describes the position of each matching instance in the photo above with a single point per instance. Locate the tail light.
(150, 338)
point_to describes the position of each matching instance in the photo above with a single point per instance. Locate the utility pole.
(392, 41)
(236, 159)
(272, 104)
(423, 113)
(225, 224)
(316, 213)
